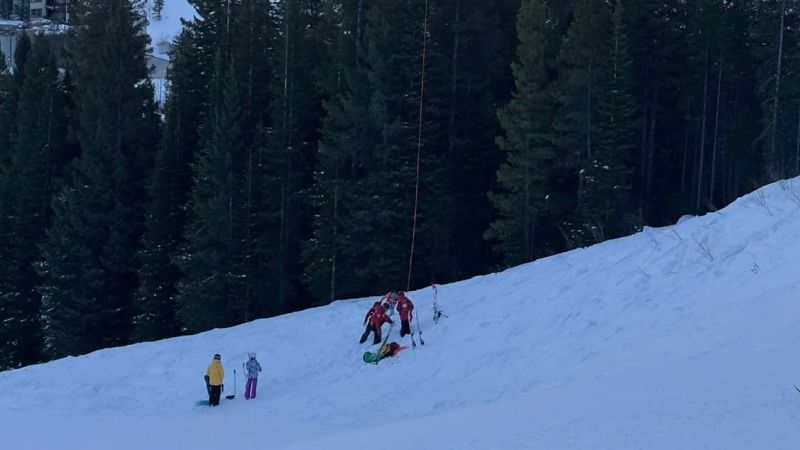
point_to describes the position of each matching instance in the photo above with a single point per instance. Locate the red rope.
(419, 144)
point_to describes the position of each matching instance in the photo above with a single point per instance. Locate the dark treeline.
(280, 172)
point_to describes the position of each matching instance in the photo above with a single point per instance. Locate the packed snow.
(683, 337)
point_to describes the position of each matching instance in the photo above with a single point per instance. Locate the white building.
(55, 10)
(37, 8)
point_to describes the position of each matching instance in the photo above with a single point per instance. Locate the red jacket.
(390, 298)
(379, 317)
(404, 307)
(377, 306)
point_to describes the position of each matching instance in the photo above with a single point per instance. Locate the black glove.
(221, 388)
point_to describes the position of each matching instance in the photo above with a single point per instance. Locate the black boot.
(366, 334)
(405, 328)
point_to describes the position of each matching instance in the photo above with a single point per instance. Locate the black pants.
(214, 392)
(371, 329)
(405, 327)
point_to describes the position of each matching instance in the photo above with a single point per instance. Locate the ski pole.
(386, 339)
(436, 313)
(421, 341)
(413, 342)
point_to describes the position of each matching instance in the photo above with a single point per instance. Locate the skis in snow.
(437, 313)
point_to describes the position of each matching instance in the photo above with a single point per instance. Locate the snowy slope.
(163, 31)
(682, 337)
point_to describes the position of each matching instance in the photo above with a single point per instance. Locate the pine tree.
(213, 293)
(8, 127)
(5, 239)
(524, 179)
(603, 200)
(328, 271)
(36, 163)
(774, 46)
(255, 51)
(158, 8)
(580, 64)
(169, 194)
(467, 75)
(164, 242)
(5, 80)
(296, 120)
(7, 123)
(658, 50)
(89, 267)
(363, 192)
(379, 212)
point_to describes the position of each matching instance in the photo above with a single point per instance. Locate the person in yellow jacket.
(214, 377)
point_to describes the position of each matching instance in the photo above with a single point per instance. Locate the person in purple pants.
(251, 369)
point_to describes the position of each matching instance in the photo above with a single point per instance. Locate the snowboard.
(208, 391)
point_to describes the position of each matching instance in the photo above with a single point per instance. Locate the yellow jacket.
(215, 373)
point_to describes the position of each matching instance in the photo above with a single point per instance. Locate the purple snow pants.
(250, 388)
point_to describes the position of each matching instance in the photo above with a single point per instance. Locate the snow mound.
(681, 337)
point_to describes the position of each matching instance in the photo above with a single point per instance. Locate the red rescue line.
(419, 143)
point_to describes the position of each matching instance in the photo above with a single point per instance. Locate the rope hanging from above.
(419, 144)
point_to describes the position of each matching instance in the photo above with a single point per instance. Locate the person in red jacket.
(405, 308)
(374, 319)
(389, 301)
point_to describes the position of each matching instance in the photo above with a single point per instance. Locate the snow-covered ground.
(682, 337)
(163, 31)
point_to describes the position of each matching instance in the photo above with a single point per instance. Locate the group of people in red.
(380, 313)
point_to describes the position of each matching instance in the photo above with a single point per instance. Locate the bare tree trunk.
(651, 144)
(527, 224)
(359, 12)
(797, 150)
(775, 100)
(249, 226)
(228, 23)
(643, 144)
(353, 148)
(251, 59)
(686, 143)
(285, 184)
(335, 221)
(250, 166)
(451, 132)
(589, 113)
(335, 229)
(716, 132)
(47, 169)
(702, 134)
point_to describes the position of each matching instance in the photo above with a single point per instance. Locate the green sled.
(372, 358)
